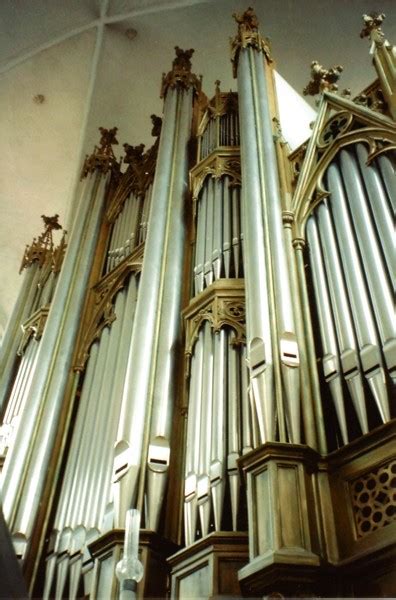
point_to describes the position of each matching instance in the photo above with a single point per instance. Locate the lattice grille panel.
(374, 499)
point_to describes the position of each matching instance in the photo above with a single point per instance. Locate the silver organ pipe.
(288, 348)
(129, 228)
(221, 130)
(370, 355)
(218, 233)
(331, 355)
(86, 492)
(199, 277)
(208, 269)
(94, 515)
(380, 208)
(236, 229)
(12, 334)
(349, 357)
(258, 322)
(18, 396)
(375, 269)
(203, 491)
(217, 244)
(225, 226)
(74, 470)
(25, 468)
(352, 228)
(90, 449)
(218, 437)
(218, 428)
(387, 169)
(165, 365)
(105, 511)
(192, 441)
(234, 446)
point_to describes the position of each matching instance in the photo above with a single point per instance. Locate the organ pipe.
(25, 468)
(380, 292)
(370, 358)
(260, 328)
(156, 309)
(342, 314)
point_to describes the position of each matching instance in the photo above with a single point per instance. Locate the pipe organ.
(214, 346)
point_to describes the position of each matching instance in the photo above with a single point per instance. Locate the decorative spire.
(42, 248)
(157, 125)
(322, 80)
(372, 28)
(384, 59)
(180, 75)
(222, 102)
(133, 154)
(248, 35)
(102, 158)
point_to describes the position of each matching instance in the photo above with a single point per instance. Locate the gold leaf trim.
(222, 304)
(218, 164)
(102, 302)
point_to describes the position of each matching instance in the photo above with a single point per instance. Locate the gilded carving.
(372, 28)
(335, 126)
(217, 165)
(222, 304)
(322, 79)
(248, 36)
(378, 141)
(42, 250)
(180, 75)
(101, 300)
(102, 158)
(373, 129)
(139, 174)
(384, 58)
(223, 102)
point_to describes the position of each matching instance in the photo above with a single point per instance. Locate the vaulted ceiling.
(79, 56)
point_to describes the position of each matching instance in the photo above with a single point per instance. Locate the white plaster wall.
(39, 146)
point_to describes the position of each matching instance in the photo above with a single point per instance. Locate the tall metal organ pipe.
(218, 429)
(278, 341)
(355, 232)
(369, 349)
(139, 434)
(25, 468)
(259, 327)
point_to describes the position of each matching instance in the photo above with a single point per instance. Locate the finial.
(248, 35)
(133, 154)
(157, 125)
(180, 75)
(247, 21)
(322, 79)
(372, 28)
(102, 158)
(42, 248)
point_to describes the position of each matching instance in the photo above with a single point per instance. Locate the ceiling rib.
(100, 22)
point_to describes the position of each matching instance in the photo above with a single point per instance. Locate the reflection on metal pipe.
(359, 301)
(342, 315)
(380, 292)
(331, 360)
(234, 426)
(203, 483)
(389, 177)
(193, 440)
(380, 208)
(218, 439)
